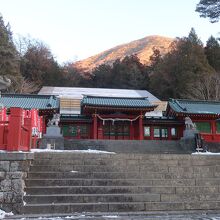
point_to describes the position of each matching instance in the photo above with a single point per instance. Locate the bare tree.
(207, 88)
(28, 87)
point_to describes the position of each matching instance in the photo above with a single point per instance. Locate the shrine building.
(205, 115)
(116, 114)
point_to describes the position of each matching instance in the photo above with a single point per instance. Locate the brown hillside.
(142, 47)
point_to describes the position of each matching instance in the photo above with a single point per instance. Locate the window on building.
(173, 132)
(164, 132)
(204, 127)
(160, 132)
(147, 131)
(156, 132)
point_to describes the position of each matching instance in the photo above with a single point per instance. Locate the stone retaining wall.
(13, 170)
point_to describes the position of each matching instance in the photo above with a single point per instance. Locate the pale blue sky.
(81, 28)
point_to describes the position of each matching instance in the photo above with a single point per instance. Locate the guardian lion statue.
(55, 120)
(189, 124)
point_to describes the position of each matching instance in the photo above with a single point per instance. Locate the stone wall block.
(1, 197)
(17, 199)
(2, 176)
(17, 186)
(14, 166)
(4, 166)
(6, 185)
(15, 175)
(24, 166)
(8, 197)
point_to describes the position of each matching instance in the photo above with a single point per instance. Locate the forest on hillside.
(189, 70)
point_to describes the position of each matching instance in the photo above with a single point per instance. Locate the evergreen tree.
(212, 51)
(127, 73)
(210, 9)
(102, 77)
(179, 71)
(193, 38)
(39, 66)
(9, 59)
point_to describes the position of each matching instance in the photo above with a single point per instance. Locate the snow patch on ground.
(74, 217)
(3, 214)
(73, 151)
(5, 151)
(205, 153)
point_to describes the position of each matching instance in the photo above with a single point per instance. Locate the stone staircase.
(69, 182)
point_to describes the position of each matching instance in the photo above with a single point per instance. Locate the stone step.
(96, 198)
(148, 159)
(196, 171)
(70, 155)
(113, 161)
(91, 198)
(121, 189)
(96, 190)
(98, 175)
(118, 207)
(112, 182)
(99, 168)
(119, 175)
(190, 197)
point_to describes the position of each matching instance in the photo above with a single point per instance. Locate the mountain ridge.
(143, 48)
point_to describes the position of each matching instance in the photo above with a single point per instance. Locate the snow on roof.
(78, 92)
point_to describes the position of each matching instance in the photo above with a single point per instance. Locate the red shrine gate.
(19, 130)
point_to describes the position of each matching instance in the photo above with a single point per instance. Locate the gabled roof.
(116, 102)
(28, 101)
(195, 106)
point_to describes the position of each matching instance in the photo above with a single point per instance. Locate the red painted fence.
(20, 130)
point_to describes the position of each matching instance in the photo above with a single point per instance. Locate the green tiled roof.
(116, 102)
(195, 107)
(27, 101)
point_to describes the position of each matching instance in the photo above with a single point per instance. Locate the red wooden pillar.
(213, 127)
(94, 126)
(141, 129)
(14, 129)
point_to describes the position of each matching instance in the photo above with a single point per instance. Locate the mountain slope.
(142, 48)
